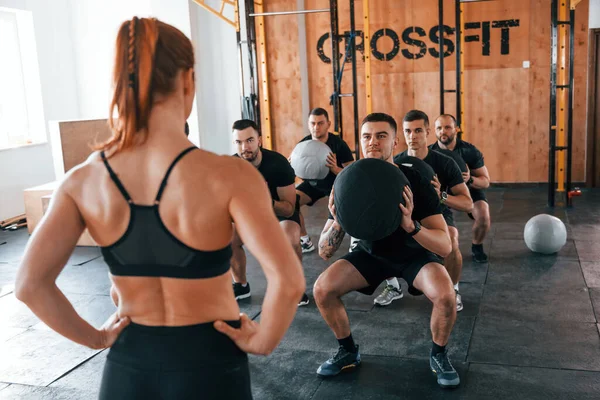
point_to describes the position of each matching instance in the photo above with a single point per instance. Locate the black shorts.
(377, 269)
(311, 191)
(448, 217)
(477, 194)
(295, 216)
(181, 362)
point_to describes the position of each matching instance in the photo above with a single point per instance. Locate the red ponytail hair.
(149, 54)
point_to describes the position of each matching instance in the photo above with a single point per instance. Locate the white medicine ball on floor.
(545, 234)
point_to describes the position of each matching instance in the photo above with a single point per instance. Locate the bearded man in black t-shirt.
(340, 157)
(411, 252)
(477, 179)
(451, 190)
(280, 178)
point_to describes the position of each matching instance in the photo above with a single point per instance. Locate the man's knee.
(483, 221)
(445, 299)
(481, 212)
(320, 290)
(323, 290)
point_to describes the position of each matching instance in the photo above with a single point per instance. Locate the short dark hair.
(449, 116)
(416, 115)
(186, 129)
(380, 117)
(319, 111)
(242, 124)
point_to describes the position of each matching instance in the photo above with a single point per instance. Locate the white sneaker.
(459, 304)
(307, 246)
(389, 294)
(353, 244)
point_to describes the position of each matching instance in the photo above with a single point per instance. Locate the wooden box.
(37, 200)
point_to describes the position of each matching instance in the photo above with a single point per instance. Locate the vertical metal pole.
(335, 65)
(265, 103)
(552, 142)
(571, 100)
(458, 35)
(303, 56)
(367, 47)
(238, 36)
(354, 81)
(440, 33)
(562, 95)
(252, 61)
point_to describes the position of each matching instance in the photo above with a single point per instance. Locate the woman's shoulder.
(225, 169)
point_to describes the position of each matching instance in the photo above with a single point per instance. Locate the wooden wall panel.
(507, 105)
(284, 75)
(580, 103)
(539, 94)
(539, 123)
(320, 75)
(501, 126)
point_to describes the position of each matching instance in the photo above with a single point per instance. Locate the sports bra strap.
(115, 179)
(163, 184)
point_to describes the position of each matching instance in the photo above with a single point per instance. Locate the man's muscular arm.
(330, 239)
(332, 234)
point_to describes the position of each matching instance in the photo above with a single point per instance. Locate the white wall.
(32, 165)
(217, 79)
(94, 28)
(594, 14)
(75, 44)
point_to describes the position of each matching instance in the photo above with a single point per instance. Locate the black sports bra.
(147, 248)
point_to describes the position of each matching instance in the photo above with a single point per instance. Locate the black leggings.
(187, 362)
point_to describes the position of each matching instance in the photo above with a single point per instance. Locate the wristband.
(416, 230)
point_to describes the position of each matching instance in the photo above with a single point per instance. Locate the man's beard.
(250, 156)
(449, 139)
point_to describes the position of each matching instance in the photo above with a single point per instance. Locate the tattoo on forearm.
(331, 241)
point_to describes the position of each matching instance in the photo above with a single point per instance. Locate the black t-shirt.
(445, 168)
(276, 170)
(410, 161)
(455, 155)
(343, 155)
(400, 246)
(468, 152)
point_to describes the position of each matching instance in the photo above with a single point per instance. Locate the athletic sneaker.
(240, 291)
(340, 361)
(479, 256)
(353, 244)
(304, 300)
(459, 304)
(307, 246)
(447, 377)
(389, 294)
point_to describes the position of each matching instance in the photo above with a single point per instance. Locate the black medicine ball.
(417, 164)
(366, 197)
(455, 155)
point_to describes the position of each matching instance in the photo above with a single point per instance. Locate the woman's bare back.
(194, 208)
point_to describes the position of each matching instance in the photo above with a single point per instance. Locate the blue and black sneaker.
(342, 360)
(447, 377)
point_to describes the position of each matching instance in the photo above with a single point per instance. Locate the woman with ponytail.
(162, 210)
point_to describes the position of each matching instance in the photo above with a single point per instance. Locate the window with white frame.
(21, 109)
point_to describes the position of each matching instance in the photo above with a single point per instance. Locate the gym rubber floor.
(529, 329)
